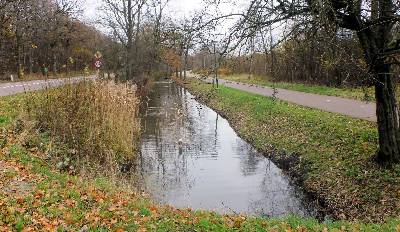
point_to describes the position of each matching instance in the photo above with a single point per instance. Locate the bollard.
(12, 78)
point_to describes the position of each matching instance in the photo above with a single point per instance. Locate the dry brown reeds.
(97, 120)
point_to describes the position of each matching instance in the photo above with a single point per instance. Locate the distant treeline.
(315, 58)
(45, 34)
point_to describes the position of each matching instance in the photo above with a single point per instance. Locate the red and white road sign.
(97, 64)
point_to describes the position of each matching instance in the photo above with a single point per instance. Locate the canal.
(191, 157)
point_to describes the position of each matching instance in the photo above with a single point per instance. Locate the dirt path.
(26, 86)
(349, 107)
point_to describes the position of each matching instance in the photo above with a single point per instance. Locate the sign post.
(97, 62)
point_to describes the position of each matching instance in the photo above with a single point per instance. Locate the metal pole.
(215, 65)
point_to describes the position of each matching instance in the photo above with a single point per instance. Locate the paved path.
(349, 107)
(27, 86)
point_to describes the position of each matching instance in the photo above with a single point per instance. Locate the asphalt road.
(344, 106)
(349, 107)
(27, 86)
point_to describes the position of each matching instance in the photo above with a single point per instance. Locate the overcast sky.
(175, 9)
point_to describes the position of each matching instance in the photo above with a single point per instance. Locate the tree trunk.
(55, 64)
(128, 62)
(388, 115)
(185, 62)
(138, 23)
(129, 46)
(19, 56)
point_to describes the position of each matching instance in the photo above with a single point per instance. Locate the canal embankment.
(331, 155)
(36, 195)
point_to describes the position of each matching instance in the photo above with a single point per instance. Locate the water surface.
(191, 157)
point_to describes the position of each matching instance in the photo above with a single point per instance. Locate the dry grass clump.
(98, 121)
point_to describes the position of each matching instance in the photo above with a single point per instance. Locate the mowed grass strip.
(336, 152)
(357, 93)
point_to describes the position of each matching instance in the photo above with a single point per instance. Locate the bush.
(224, 72)
(204, 72)
(97, 120)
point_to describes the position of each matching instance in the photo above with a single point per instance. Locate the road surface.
(349, 107)
(344, 106)
(27, 86)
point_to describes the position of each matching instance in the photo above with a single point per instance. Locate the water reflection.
(191, 157)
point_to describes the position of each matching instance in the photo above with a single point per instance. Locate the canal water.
(191, 157)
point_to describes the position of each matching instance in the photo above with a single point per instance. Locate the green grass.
(57, 201)
(10, 108)
(336, 152)
(363, 94)
(61, 202)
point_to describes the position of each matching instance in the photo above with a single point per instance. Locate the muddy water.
(191, 157)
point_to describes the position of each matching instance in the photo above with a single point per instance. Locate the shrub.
(96, 120)
(204, 72)
(224, 72)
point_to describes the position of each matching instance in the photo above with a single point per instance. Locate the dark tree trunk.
(373, 43)
(19, 56)
(185, 63)
(388, 115)
(55, 69)
(129, 46)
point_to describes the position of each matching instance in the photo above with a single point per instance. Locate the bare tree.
(189, 34)
(374, 22)
(124, 22)
(158, 7)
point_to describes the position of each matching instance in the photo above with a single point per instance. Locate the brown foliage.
(97, 120)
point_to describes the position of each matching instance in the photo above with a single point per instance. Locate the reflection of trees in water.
(173, 116)
(279, 197)
(249, 157)
(170, 167)
(159, 147)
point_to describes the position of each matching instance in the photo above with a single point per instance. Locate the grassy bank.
(366, 94)
(333, 154)
(34, 196)
(37, 196)
(88, 127)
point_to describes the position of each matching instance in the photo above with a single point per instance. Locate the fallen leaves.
(70, 202)
(52, 201)
(39, 194)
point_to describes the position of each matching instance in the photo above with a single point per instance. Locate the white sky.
(176, 8)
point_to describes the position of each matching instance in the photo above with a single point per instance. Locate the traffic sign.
(97, 64)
